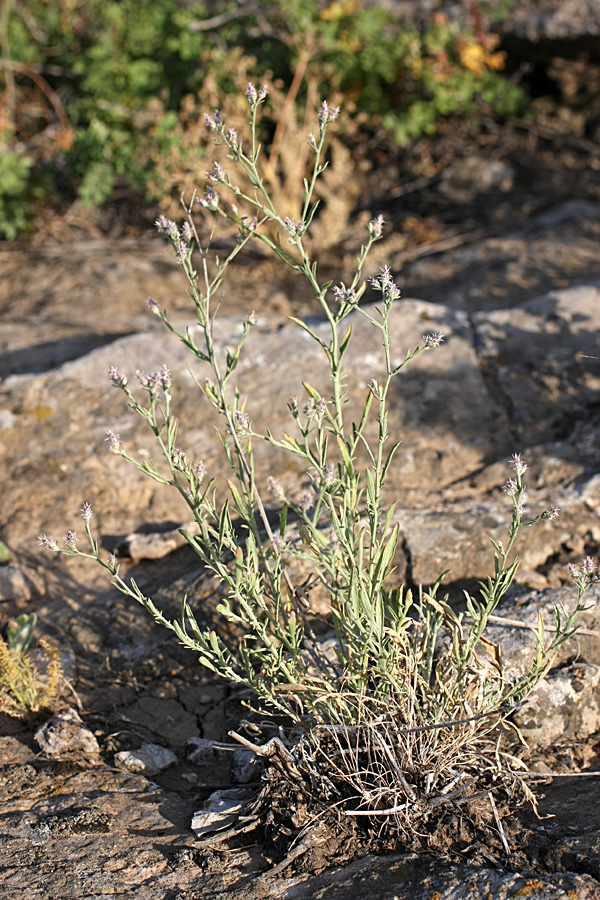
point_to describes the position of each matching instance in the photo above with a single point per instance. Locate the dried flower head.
(86, 512)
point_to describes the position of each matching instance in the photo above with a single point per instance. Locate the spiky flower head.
(328, 113)
(113, 440)
(47, 543)
(588, 565)
(117, 379)
(86, 512)
(275, 488)
(165, 377)
(344, 295)
(518, 465)
(217, 174)
(551, 513)
(433, 340)
(375, 226)
(210, 200)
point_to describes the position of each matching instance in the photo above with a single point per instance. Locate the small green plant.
(27, 687)
(408, 712)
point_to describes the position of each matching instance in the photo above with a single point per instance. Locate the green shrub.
(15, 191)
(99, 84)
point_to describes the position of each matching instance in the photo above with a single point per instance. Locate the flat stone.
(148, 760)
(220, 811)
(19, 584)
(66, 733)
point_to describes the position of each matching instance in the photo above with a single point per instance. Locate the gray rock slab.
(20, 584)
(541, 357)
(149, 759)
(65, 733)
(220, 811)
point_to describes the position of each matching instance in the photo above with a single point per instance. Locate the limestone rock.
(66, 733)
(220, 811)
(156, 545)
(149, 759)
(563, 707)
(19, 583)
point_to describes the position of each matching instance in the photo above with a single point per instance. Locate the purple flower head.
(71, 539)
(182, 251)
(328, 113)
(114, 441)
(518, 465)
(86, 512)
(376, 226)
(164, 225)
(210, 199)
(251, 93)
(117, 379)
(330, 475)
(217, 174)
(433, 340)
(573, 570)
(178, 458)
(275, 488)
(306, 500)
(47, 543)
(242, 422)
(165, 377)
(153, 306)
(344, 295)
(551, 513)
(186, 232)
(293, 229)
(385, 283)
(213, 122)
(199, 470)
(588, 565)
(262, 93)
(511, 487)
(232, 137)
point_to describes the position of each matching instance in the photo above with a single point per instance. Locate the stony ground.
(498, 243)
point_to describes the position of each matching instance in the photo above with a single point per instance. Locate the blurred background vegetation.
(103, 100)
